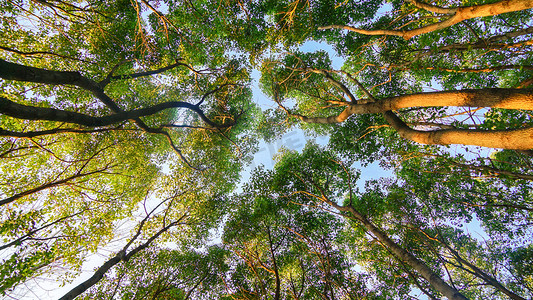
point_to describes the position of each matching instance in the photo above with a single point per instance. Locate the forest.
(127, 127)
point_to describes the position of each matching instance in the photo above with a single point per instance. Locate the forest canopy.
(126, 128)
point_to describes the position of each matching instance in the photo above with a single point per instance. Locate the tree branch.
(32, 134)
(122, 255)
(49, 185)
(20, 111)
(494, 98)
(458, 14)
(516, 139)
(108, 79)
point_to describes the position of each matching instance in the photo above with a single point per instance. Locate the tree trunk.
(485, 277)
(277, 293)
(516, 139)
(490, 97)
(434, 280)
(99, 274)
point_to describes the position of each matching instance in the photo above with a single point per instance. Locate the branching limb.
(335, 82)
(21, 111)
(12, 71)
(32, 134)
(434, 8)
(487, 278)
(41, 53)
(494, 98)
(517, 139)
(111, 77)
(28, 235)
(482, 70)
(50, 185)
(421, 267)
(122, 255)
(457, 15)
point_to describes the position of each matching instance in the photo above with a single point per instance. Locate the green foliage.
(300, 230)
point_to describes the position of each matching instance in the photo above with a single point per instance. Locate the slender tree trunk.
(277, 293)
(99, 274)
(434, 280)
(485, 277)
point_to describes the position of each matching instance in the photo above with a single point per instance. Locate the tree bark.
(99, 274)
(490, 97)
(20, 111)
(458, 14)
(515, 139)
(434, 280)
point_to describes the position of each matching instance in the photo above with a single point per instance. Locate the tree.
(165, 274)
(124, 126)
(317, 178)
(336, 94)
(455, 15)
(91, 135)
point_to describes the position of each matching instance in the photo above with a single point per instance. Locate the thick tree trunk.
(515, 139)
(490, 97)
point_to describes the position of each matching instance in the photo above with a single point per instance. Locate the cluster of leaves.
(303, 230)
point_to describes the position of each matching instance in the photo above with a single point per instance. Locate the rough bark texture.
(516, 139)
(491, 97)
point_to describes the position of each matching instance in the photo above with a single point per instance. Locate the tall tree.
(106, 109)
(138, 114)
